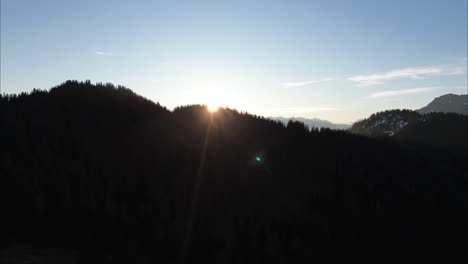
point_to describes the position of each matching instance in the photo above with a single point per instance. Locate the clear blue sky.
(336, 60)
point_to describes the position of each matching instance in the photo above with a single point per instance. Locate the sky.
(334, 60)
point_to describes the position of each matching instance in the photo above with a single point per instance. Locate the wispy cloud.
(457, 71)
(298, 84)
(314, 109)
(100, 52)
(403, 92)
(413, 73)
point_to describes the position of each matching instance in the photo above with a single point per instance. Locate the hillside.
(385, 123)
(449, 103)
(117, 178)
(443, 130)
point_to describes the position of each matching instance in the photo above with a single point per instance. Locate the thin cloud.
(463, 60)
(403, 92)
(457, 71)
(304, 110)
(298, 84)
(413, 73)
(102, 53)
(314, 109)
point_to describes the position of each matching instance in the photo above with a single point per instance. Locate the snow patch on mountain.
(386, 123)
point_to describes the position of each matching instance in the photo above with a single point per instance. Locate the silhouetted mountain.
(116, 178)
(441, 130)
(312, 123)
(449, 103)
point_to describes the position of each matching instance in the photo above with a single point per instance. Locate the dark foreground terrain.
(102, 175)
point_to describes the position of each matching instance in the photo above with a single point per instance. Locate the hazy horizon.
(335, 60)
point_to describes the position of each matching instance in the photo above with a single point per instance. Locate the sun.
(212, 108)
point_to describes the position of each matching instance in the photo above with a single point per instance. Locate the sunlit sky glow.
(335, 60)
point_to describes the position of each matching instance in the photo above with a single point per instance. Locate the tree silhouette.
(106, 172)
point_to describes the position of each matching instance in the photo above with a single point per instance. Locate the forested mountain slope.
(120, 179)
(448, 131)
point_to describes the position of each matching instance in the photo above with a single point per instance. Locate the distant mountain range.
(449, 103)
(389, 122)
(442, 123)
(311, 123)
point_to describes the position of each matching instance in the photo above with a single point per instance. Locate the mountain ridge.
(121, 179)
(445, 130)
(448, 103)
